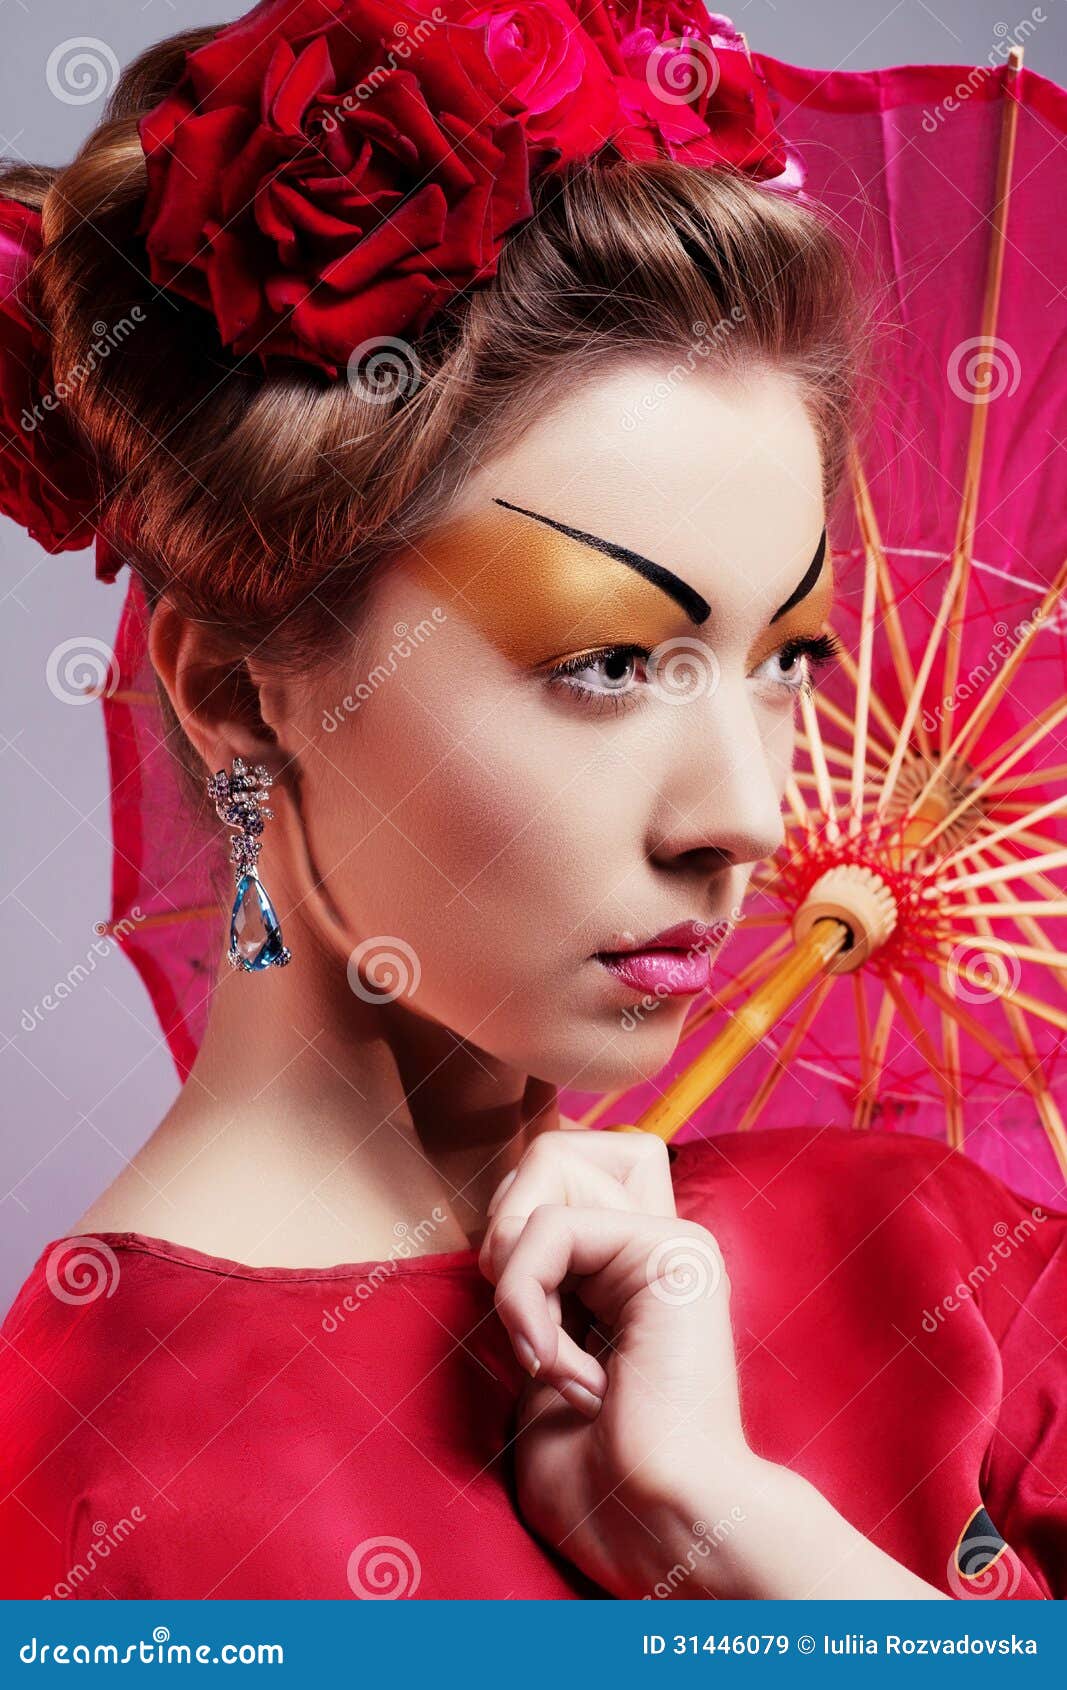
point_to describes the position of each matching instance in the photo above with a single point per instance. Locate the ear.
(211, 687)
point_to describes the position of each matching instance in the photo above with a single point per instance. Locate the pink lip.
(674, 963)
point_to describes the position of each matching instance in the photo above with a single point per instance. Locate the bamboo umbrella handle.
(746, 1028)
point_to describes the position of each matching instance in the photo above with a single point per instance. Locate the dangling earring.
(255, 935)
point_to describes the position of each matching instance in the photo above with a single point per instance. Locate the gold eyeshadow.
(541, 596)
(538, 595)
(806, 618)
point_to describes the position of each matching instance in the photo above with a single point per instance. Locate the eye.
(601, 678)
(790, 667)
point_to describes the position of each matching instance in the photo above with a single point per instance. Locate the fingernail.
(525, 1352)
(579, 1397)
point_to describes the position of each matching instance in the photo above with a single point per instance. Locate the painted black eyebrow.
(696, 608)
(811, 575)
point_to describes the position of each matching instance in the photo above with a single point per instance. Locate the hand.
(620, 1435)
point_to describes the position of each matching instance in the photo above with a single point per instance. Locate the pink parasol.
(948, 178)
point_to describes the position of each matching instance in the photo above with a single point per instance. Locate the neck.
(320, 1127)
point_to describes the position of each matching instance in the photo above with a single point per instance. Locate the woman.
(590, 500)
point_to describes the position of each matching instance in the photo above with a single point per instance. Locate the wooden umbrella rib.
(872, 539)
(795, 799)
(1026, 924)
(964, 544)
(840, 718)
(1011, 994)
(868, 1093)
(920, 1035)
(163, 918)
(818, 763)
(989, 700)
(989, 783)
(1029, 777)
(780, 1060)
(971, 728)
(1012, 870)
(975, 1030)
(1050, 907)
(985, 841)
(1048, 1110)
(864, 692)
(854, 672)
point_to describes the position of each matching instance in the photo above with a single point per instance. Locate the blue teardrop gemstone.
(255, 935)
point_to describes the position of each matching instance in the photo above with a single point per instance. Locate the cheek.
(473, 820)
(779, 742)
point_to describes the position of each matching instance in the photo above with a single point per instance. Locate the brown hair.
(265, 503)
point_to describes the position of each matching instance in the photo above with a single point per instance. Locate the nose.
(722, 789)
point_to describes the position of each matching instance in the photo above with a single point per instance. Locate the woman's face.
(571, 720)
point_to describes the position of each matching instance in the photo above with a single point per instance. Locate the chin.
(616, 1054)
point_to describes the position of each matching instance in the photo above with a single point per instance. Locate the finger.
(556, 1241)
(639, 1161)
(547, 1180)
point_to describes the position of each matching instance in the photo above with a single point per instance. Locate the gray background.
(88, 1083)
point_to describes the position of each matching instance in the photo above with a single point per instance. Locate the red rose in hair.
(332, 171)
(692, 91)
(327, 172)
(554, 69)
(46, 480)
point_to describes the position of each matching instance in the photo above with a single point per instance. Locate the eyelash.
(819, 649)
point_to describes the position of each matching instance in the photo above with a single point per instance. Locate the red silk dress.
(185, 1426)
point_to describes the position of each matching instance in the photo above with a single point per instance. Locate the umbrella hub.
(937, 789)
(860, 899)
